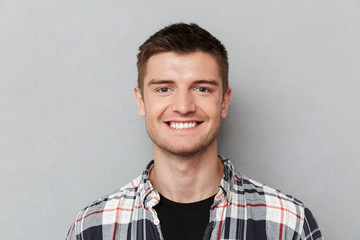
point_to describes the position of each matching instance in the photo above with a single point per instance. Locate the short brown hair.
(183, 38)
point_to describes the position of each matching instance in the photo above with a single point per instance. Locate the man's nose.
(183, 103)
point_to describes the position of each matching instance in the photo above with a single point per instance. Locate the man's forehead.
(171, 64)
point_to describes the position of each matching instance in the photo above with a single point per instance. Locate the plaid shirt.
(242, 209)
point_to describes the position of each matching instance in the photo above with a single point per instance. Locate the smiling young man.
(188, 191)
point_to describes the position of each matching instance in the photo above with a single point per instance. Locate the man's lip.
(183, 121)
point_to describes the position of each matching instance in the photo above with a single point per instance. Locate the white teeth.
(183, 125)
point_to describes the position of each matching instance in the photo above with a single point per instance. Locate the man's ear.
(139, 101)
(226, 103)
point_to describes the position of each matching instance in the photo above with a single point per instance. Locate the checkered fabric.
(242, 209)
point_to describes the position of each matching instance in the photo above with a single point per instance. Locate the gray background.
(70, 132)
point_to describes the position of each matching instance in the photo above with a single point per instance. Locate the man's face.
(182, 101)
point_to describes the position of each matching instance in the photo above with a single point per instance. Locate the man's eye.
(203, 89)
(163, 90)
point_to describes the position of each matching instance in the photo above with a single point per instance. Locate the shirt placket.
(217, 216)
(150, 202)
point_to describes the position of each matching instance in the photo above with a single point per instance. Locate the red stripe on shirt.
(222, 219)
(133, 185)
(72, 230)
(281, 218)
(217, 197)
(116, 218)
(240, 179)
(109, 210)
(260, 205)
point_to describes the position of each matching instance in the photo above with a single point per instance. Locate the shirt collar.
(227, 182)
(149, 196)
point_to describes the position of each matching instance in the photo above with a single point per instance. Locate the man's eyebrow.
(159, 81)
(207, 81)
(202, 81)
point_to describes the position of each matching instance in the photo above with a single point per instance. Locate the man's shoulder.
(267, 206)
(128, 191)
(273, 208)
(257, 192)
(103, 211)
(270, 194)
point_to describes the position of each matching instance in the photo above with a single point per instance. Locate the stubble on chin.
(181, 149)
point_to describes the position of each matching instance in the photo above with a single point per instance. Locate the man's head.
(183, 38)
(183, 91)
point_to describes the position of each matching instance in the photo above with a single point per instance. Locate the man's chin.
(183, 151)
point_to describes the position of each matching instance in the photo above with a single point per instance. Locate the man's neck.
(187, 179)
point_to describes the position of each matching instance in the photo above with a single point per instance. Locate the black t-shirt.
(183, 220)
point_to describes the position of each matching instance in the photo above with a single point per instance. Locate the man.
(188, 191)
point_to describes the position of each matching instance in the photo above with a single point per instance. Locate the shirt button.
(156, 221)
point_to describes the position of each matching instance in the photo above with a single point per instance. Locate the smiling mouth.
(182, 125)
